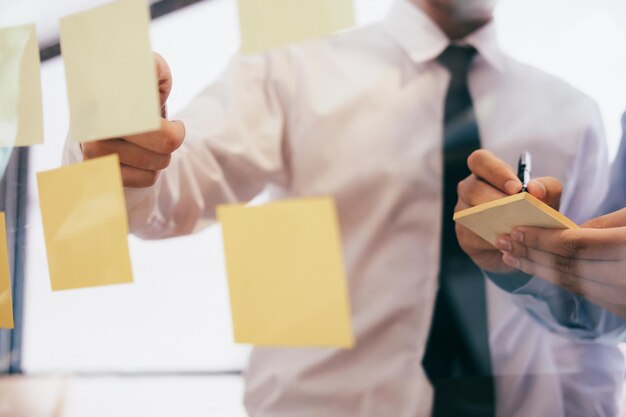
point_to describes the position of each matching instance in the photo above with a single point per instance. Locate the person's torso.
(365, 125)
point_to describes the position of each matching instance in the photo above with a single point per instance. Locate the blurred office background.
(163, 346)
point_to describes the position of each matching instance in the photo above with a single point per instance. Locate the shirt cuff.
(568, 314)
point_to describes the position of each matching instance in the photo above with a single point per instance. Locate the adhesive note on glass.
(6, 304)
(85, 224)
(21, 112)
(285, 271)
(110, 71)
(266, 24)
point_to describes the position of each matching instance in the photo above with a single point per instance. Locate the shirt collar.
(424, 41)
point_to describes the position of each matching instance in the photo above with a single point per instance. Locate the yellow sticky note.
(21, 112)
(285, 271)
(499, 217)
(6, 304)
(85, 224)
(266, 24)
(110, 71)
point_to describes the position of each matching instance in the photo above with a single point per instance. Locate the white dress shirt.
(616, 200)
(359, 116)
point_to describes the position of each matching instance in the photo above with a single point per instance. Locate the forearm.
(233, 147)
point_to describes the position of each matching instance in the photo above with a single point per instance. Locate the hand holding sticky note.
(110, 70)
(500, 217)
(85, 224)
(285, 273)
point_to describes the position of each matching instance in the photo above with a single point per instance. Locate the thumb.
(494, 171)
(608, 221)
(548, 190)
(164, 76)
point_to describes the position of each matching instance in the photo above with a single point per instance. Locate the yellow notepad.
(500, 217)
(286, 276)
(110, 71)
(6, 303)
(21, 112)
(85, 224)
(266, 24)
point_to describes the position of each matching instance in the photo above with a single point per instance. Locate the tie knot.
(457, 59)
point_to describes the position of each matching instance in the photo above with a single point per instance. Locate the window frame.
(13, 196)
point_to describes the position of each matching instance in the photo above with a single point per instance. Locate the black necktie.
(457, 359)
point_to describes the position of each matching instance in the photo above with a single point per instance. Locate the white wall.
(581, 41)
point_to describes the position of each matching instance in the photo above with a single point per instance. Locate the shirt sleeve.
(234, 146)
(559, 310)
(588, 177)
(568, 314)
(616, 199)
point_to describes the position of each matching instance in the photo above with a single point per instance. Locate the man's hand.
(492, 179)
(144, 156)
(590, 261)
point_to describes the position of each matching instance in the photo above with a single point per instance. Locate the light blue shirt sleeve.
(569, 315)
(561, 311)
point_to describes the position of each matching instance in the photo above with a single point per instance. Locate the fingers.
(139, 167)
(491, 179)
(590, 244)
(607, 272)
(129, 154)
(470, 241)
(574, 243)
(481, 252)
(612, 220)
(143, 156)
(473, 191)
(548, 190)
(164, 141)
(492, 170)
(138, 178)
(486, 166)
